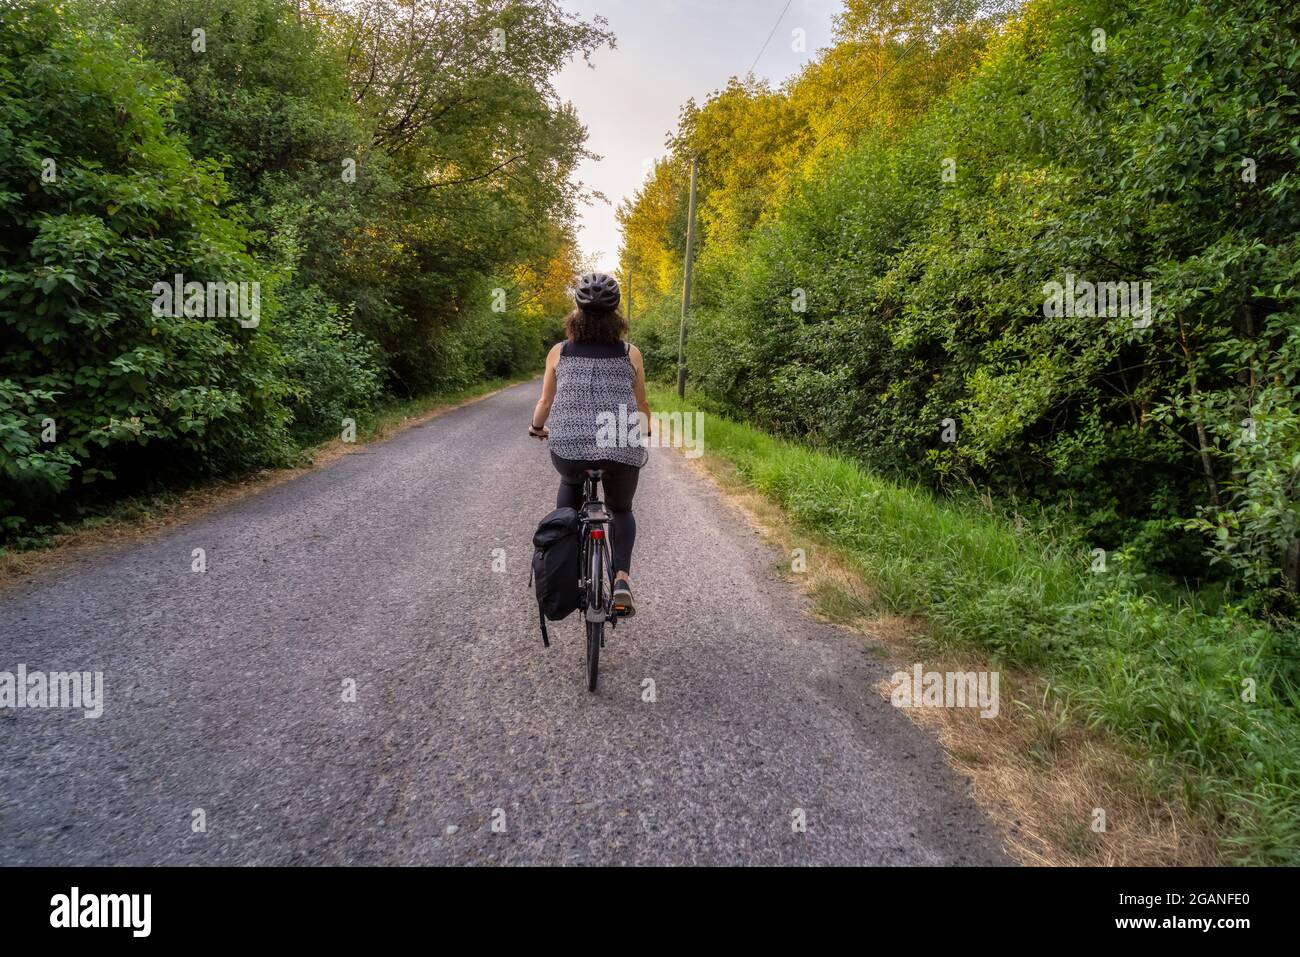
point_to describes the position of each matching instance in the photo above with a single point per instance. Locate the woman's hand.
(541, 434)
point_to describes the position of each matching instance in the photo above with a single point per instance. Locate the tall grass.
(1158, 671)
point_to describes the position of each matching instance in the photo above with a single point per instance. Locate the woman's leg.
(570, 493)
(620, 486)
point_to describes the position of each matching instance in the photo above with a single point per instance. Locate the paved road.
(224, 690)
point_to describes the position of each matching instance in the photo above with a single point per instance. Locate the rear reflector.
(598, 533)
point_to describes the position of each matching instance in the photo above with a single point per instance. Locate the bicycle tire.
(595, 630)
(596, 598)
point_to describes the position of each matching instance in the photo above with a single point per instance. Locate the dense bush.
(881, 299)
(243, 141)
(337, 373)
(100, 200)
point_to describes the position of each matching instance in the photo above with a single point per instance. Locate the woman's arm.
(537, 427)
(638, 386)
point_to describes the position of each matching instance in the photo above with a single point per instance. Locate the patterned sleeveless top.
(594, 415)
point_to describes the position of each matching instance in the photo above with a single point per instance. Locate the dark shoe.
(623, 606)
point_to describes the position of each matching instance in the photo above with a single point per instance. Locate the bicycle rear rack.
(595, 513)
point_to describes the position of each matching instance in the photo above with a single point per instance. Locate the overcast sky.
(668, 51)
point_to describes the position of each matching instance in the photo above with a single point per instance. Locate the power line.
(770, 35)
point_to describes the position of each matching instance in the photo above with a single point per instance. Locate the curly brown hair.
(608, 327)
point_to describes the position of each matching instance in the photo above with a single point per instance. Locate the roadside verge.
(1121, 738)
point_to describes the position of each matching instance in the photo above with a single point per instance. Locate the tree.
(101, 200)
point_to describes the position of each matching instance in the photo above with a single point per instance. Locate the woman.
(594, 382)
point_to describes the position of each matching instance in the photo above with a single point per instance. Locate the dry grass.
(1035, 772)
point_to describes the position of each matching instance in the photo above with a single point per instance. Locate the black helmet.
(597, 291)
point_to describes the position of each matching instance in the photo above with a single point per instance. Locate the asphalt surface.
(225, 691)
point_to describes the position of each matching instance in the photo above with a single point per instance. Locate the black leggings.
(618, 486)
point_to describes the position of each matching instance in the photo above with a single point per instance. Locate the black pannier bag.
(555, 567)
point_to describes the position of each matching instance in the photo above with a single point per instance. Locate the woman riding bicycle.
(593, 389)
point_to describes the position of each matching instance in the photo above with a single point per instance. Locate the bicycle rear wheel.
(595, 631)
(599, 593)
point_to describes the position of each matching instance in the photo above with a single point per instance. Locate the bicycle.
(596, 571)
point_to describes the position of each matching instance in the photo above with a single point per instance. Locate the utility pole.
(627, 281)
(686, 284)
